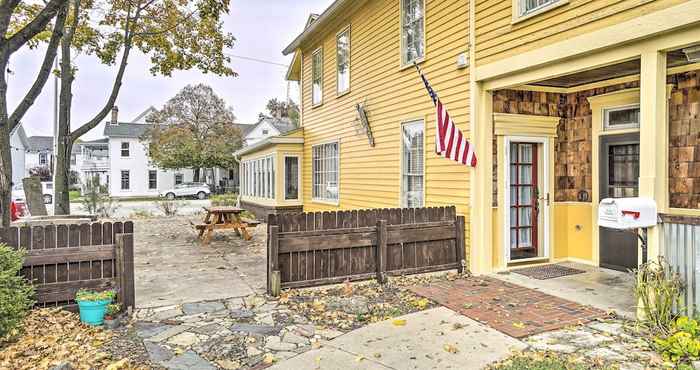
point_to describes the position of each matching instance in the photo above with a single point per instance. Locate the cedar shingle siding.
(684, 141)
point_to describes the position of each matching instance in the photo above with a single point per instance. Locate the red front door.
(523, 201)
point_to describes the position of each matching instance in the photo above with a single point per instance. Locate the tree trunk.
(61, 180)
(5, 176)
(61, 184)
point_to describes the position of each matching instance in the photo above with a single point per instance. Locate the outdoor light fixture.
(692, 53)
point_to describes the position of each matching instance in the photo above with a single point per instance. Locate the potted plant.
(93, 305)
(112, 317)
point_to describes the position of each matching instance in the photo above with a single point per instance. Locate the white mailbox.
(627, 213)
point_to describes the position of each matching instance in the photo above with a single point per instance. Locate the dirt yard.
(172, 267)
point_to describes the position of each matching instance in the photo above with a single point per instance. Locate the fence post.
(125, 270)
(273, 263)
(381, 250)
(460, 245)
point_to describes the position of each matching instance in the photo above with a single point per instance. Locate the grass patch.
(545, 361)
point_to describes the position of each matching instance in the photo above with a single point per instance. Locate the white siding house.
(266, 127)
(18, 147)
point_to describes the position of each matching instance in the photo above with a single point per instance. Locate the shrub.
(113, 310)
(168, 207)
(658, 290)
(682, 345)
(97, 201)
(16, 294)
(91, 295)
(225, 200)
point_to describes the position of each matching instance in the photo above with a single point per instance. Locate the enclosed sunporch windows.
(258, 177)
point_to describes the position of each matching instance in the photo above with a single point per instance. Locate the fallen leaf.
(377, 355)
(269, 359)
(359, 358)
(519, 325)
(117, 365)
(450, 348)
(399, 322)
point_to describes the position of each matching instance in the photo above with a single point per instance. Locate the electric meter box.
(627, 213)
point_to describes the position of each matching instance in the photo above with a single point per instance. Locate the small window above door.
(622, 117)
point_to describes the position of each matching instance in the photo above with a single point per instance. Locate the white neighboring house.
(19, 143)
(130, 172)
(91, 160)
(267, 127)
(39, 153)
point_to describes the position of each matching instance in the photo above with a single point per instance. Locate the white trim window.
(325, 172)
(152, 179)
(179, 179)
(620, 118)
(125, 151)
(291, 177)
(412, 164)
(258, 178)
(43, 158)
(412, 31)
(527, 7)
(125, 180)
(343, 61)
(317, 77)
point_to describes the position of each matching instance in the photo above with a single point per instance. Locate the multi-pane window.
(622, 117)
(43, 158)
(152, 179)
(325, 172)
(125, 149)
(412, 31)
(531, 6)
(291, 178)
(258, 178)
(126, 178)
(623, 176)
(317, 77)
(343, 61)
(179, 178)
(412, 165)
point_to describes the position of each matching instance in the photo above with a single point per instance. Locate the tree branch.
(128, 36)
(45, 70)
(37, 25)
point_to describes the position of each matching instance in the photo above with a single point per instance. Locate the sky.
(262, 29)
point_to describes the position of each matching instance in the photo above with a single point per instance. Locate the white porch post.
(653, 138)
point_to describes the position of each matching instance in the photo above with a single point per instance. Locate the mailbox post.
(627, 214)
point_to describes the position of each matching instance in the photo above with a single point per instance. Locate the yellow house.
(567, 101)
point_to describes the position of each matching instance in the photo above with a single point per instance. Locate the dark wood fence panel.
(61, 259)
(329, 247)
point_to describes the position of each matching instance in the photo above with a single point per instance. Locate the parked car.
(46, 189)
(187, 190)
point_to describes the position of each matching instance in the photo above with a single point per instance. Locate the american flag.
(450, 142)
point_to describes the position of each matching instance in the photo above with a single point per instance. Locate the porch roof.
(291, 137)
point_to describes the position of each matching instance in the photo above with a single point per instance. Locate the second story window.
(125, 149)
(412, 31)
(343, 61)
(317, 77)
(532, 6)
(43, 158)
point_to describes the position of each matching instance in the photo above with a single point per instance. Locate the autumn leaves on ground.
(55, 337)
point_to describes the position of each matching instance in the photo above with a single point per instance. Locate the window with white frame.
(622, 117)
(152, 179)
(258, 178)
(43, 158)
(291, 178)
(412, 164)
(325, 172)
(126, 180)
(531, 6)
(343, 61)
(125, 149)
(179, 178)
(412, 31)
(317, 77)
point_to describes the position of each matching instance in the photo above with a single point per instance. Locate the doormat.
(546, 272)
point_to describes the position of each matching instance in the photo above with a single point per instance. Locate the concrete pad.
(601, 288)
(328, 358)
(419, 344)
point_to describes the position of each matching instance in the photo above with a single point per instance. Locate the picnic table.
(224, 218)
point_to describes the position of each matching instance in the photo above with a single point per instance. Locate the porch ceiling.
(632, 67)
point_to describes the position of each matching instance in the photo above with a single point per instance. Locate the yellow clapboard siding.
(497, 38)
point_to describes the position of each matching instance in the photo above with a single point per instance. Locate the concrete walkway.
(438, 338)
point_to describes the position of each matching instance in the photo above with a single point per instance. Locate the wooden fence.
(309, 249)
(61, 259)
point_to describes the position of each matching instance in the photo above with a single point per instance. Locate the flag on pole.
(450, 142)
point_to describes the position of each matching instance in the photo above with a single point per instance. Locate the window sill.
(342, 93)
(410, 64)
(518, 19)
(314, 106)
(326, 202)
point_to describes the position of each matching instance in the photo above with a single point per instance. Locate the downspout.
(238, 198)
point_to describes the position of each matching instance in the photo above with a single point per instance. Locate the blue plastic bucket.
(93, 312)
